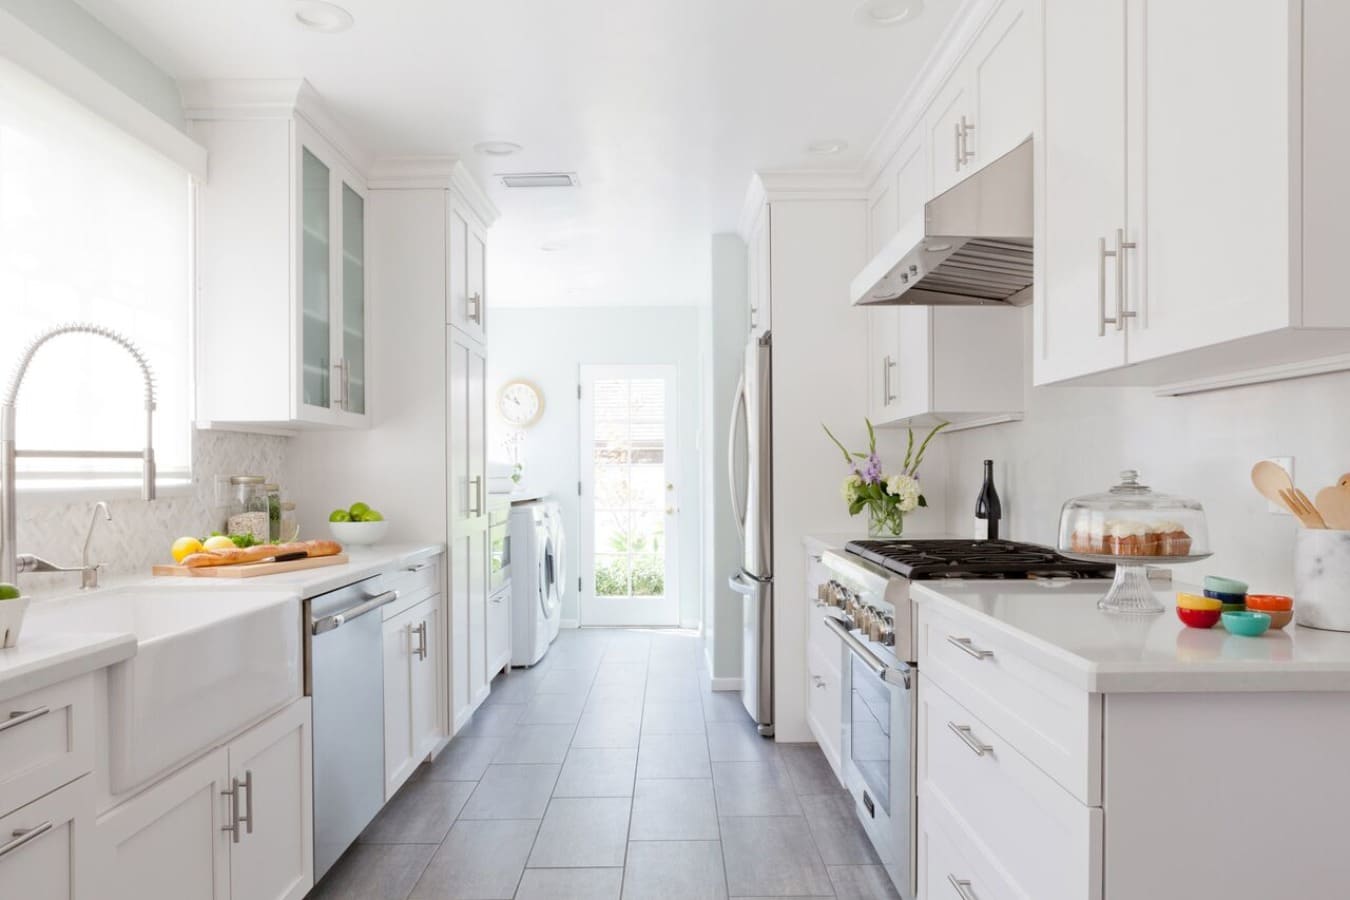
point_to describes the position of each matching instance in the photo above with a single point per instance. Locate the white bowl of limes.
(358, 524)
(13, 605)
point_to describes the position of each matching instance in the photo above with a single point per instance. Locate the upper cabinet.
(282, 312)
(1180, 244)
(466, 296)
(759, 241)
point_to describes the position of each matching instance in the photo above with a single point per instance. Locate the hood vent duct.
(972, 246)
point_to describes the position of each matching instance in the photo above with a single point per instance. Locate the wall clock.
(521, 403)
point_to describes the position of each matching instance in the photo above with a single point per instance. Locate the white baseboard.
(568, 623)
(726, 684)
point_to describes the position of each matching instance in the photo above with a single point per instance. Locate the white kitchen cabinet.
(950, 129)
(498, 632)
(189, 836)
(1196, 284)
(466, 297)
(759, 242)
(411, 696)
(47, 848)
(282, 313)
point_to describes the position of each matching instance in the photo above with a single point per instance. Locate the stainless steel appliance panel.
(499, 544)
(758, 406)
(345, 679)
(756, 648)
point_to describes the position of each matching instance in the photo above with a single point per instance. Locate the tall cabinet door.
(270, 767)
(352, 343)
(1081, 184)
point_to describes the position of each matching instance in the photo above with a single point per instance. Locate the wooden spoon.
(1298, 503)
(1345, 480)
(1334, 505)
(1270, 479)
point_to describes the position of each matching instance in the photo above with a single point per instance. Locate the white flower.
(906, 489)
(849, 489)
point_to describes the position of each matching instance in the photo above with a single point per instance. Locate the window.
(94, 227)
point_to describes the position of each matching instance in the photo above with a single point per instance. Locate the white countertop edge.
(47, 659)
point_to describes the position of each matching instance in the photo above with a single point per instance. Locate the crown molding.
(437, 173)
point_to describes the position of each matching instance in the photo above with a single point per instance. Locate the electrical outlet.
(1286, 463)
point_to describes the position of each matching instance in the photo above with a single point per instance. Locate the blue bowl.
(1225, 585)
(1247, 624)
(1227, 598)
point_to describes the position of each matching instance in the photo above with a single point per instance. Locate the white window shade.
(94, 227)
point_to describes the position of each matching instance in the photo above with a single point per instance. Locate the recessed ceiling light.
(319, 15)
(553, 246)
(497, 148)
(827, 147)
(888, 12)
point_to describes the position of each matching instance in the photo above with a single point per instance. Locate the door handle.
(1118, 254)
(421, 632)
(23, 836)
(888, 389)
(966, 153)
(737, 409)
(475, 303)
(233, 793)
(337, 620)
(247, 787)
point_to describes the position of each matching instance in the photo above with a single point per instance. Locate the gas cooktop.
(924, 559)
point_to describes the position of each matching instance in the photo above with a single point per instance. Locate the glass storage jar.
(1133, 526)
(273, 494)
(248, 507)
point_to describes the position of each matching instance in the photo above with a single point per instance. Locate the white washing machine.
(536, 579)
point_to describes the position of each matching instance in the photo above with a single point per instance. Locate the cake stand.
(1130, 591)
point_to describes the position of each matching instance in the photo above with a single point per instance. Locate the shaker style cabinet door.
(47, 847)
(1004, 66)
(399, 760)
(423, 662)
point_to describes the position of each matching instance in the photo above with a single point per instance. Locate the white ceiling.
(662, 107)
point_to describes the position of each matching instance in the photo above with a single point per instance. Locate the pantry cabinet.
(466, 277)
(282, 312)
(411, 698)
(1154, 269)
(234, 825)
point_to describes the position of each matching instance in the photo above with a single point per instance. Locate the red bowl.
(1198, 618)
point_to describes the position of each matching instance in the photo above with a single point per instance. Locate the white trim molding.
(1281, 372)
(797, 184)
(444, 172)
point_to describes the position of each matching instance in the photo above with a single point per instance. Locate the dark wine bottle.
(988, 510)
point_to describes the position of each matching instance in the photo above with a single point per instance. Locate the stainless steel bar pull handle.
(421, 632)
(962, 887)
(233, 793)
(1102, 254)
(18, 717)
(475, 304)
(1121, 246)
(888, 365)
(966, 128)
(22, 836)
(968, 738)
(956, 130)
(965, 646)
(476, 482)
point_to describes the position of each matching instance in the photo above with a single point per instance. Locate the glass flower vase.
(880, 524)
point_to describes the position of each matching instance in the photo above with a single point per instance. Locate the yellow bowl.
(1195, 601)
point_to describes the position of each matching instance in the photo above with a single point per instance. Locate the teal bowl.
(1247, 624)
(1225, 585)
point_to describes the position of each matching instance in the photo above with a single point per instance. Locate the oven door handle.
(889, 674)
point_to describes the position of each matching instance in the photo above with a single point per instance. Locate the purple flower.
(870, 473)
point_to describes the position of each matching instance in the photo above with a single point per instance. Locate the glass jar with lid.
(248, 507)
(273, 494)
(1133, 526)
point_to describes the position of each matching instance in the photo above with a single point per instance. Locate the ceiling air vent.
(539, 179)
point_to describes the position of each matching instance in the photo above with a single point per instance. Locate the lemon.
(185, 546)
(218, 542)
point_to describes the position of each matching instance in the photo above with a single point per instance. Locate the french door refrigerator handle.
(737, 409)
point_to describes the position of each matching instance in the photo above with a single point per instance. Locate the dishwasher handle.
(325, 624)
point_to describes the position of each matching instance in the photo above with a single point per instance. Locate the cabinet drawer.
(950, 862)
(414, 582)
(46, 847)
(822, 641)
(1048, 844)
(824, 702)
(1052, 723)
(46, 740)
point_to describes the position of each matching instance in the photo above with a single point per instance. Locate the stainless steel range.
(867, 604)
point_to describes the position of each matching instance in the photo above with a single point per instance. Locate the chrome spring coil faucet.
(11, 562)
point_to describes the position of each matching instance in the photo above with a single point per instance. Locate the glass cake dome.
(1133, 526)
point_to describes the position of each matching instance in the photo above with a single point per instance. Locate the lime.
(339, 515)
(371, 515)
(8, 591)
(358, 509)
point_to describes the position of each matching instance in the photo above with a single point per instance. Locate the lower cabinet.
(411, 706)
(236, 824)
(498, 632)
(467, 626)
(45, 847)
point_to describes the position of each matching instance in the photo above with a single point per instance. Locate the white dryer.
(536, 597)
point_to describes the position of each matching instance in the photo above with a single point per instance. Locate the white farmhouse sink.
(207, 663)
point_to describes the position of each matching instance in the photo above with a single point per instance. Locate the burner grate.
(939, 558)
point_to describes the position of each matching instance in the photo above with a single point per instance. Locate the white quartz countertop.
(1061, 629)
(45, 656)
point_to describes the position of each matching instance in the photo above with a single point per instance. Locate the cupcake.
(1122, 537)
(1169, 539)
(1087, 540)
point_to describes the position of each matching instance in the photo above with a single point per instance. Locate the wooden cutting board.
(251, 570)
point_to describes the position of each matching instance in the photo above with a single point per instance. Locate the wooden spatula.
(1270, 479)
(1334, 505)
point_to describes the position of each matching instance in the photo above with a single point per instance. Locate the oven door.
(878, 750)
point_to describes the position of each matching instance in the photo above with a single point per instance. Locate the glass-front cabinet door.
(316, 238)
(353, 358)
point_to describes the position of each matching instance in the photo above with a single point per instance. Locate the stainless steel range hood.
(971, 246)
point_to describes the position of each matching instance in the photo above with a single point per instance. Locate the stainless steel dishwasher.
(344, 674)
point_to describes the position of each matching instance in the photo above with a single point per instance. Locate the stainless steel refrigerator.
(750, 478)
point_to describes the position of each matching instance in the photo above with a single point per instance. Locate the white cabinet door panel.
(425, 720)
(56, 861)
(1005, 67)
(398, 743)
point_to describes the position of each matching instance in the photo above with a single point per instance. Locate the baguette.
(238, 555)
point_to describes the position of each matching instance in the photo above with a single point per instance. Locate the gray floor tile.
(554, 709)
(463, 760)
(493, 720)
(724, 706)
(674, 809)
(567, 681)
(420, 813)
(478, 861)
(674, 870)
(582, 832)
(603, 729)
(772, 857)
(620, 673)
(597, 772)
(570, 884)
(738, 741)
(374, 872)
(512, 792)
(535, 744)
(673, 756)
(759, 788)
(517, 686)
(672, 718)
(677, 687)
(810, 770)
(862, 883)
(838, 834)
(628, 694)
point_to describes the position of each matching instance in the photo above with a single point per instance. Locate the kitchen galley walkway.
(611, 770)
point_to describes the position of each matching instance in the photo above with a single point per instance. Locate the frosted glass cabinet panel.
(315, 281)
(353, 391)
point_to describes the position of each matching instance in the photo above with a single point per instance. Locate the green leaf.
(923, 501)
(924, 446)
(848, 458)
(856, 506)
(909, 451)
(871, 436)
